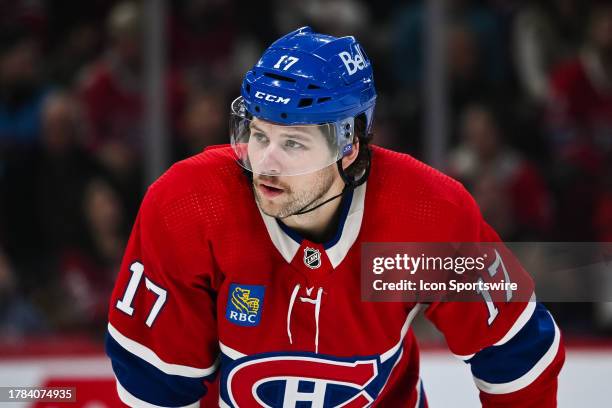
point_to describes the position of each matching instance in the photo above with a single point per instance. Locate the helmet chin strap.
(304, 211)
(349, 184)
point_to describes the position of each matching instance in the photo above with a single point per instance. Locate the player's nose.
(271, 161)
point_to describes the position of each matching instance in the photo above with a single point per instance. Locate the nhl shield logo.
(312, 258)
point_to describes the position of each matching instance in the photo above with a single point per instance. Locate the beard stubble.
(309, 195)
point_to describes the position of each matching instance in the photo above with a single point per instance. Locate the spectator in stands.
(88, 269)
(546, 32)
(42, 197)
(203, 123)
(475, 58)
(466, 66)
(65, 168)
(509, 190)
(202, 33)
(462, 16)
(580, 127)
(111, 91)
(76, 48)
(21, 91)
(581, 105)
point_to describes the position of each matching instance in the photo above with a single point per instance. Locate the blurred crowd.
(530, 102)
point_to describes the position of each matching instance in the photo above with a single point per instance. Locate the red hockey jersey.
(212, 287)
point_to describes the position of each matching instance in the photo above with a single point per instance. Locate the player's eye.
(293, 145)
(260, 138)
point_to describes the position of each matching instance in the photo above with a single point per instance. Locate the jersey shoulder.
(406, 177)
(200, 191)
(213, 171)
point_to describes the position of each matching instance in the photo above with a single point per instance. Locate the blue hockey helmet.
(310, 83)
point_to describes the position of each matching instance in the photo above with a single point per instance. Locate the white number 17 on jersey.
(125, 303)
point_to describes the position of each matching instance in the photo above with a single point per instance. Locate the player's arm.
(514, 349)
(162, 336)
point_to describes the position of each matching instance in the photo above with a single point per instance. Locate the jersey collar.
(288, 242)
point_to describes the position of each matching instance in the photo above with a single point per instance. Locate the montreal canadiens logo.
(295, 381)
(312, 257)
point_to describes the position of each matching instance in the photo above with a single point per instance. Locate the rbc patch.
(244, 304)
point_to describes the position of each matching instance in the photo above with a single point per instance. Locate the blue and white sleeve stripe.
(516, 362)
(144, 379)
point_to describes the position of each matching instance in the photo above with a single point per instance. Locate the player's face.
(270, 147)
(277, 150)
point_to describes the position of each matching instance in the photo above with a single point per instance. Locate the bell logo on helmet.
(271, 98)
(353, 64)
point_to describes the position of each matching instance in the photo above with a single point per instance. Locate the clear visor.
(273, 149)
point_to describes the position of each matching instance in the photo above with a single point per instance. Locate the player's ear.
(352, 156)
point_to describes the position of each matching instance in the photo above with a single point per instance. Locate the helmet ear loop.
(352, 183)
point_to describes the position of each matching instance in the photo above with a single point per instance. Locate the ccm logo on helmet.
(353, 64)
(271, 98)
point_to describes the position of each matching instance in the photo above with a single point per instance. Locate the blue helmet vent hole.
(279, 77)
(304, 102)
(283, 115)
(313, 86)
(324, 99)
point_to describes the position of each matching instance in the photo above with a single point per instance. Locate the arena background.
(98, 98)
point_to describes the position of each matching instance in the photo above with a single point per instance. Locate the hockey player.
(243, 264)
